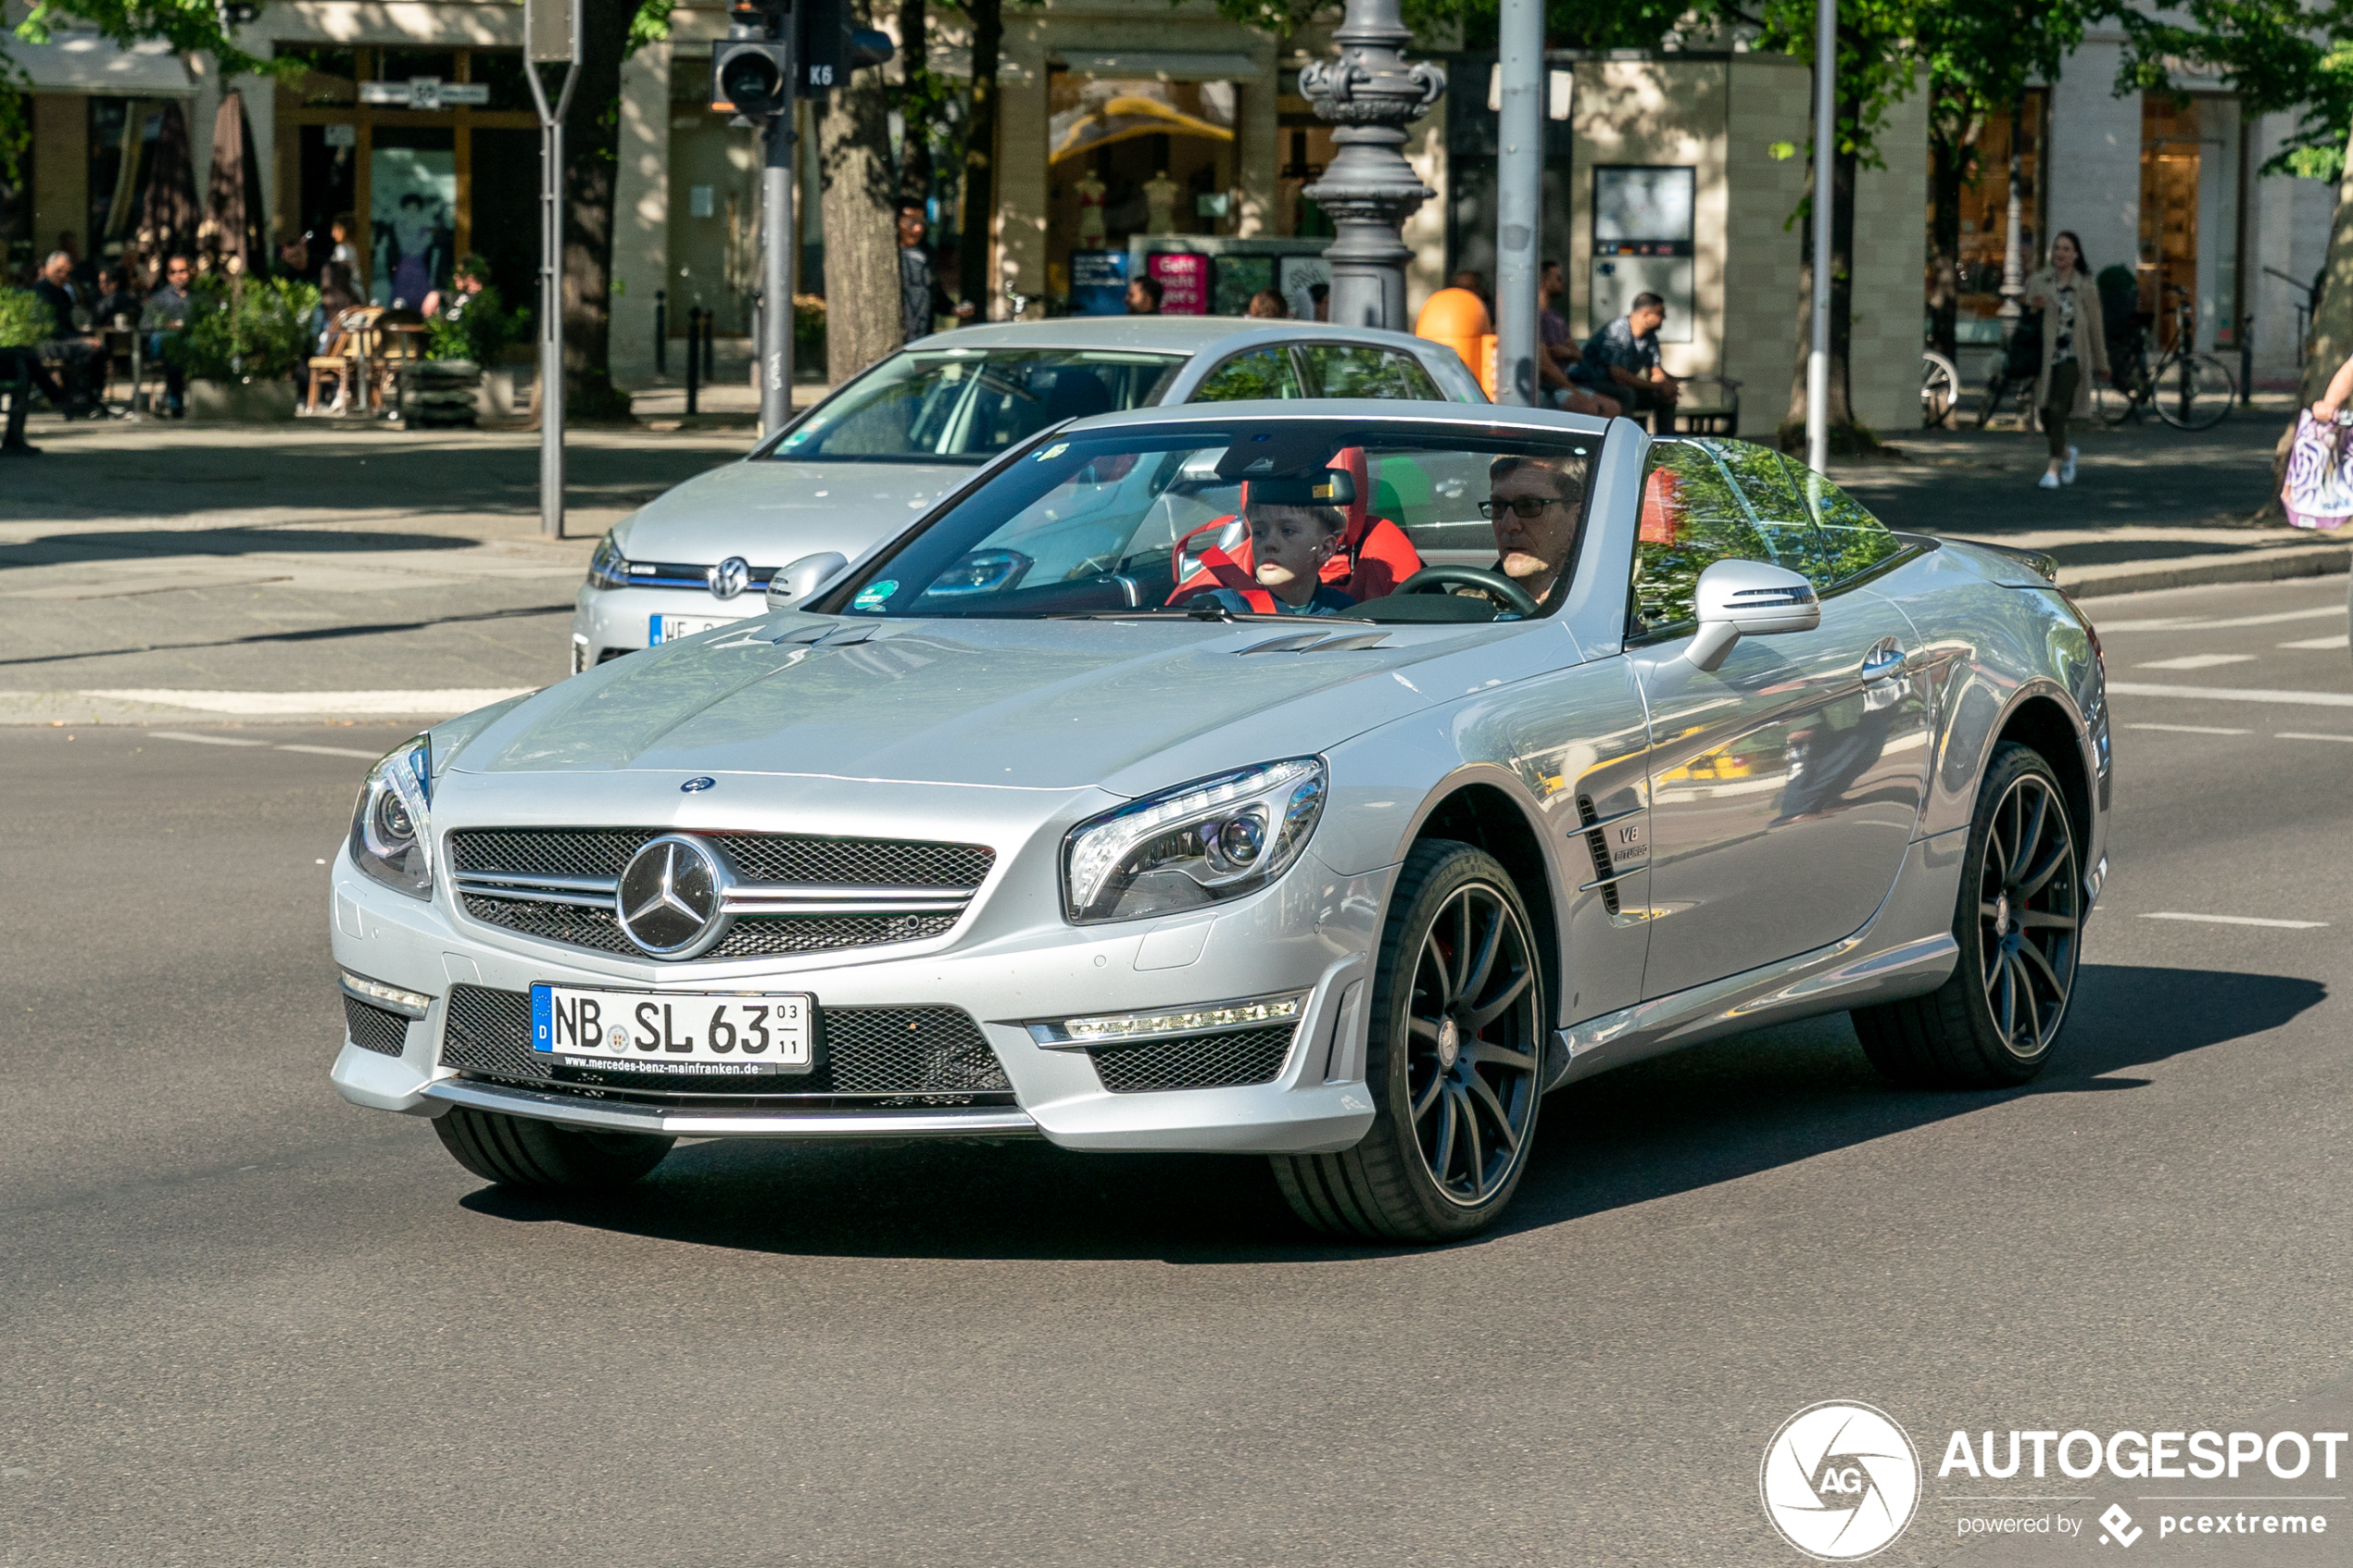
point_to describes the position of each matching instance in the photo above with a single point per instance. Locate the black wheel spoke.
(1484, 1094)
(1476, 981)
(2038, 879)
(2025, 985)
(1458, 980)
(1429, 1096)
(1423, 1029)
(2047, 920)
(1441, 1159)
(1500, 1056)
(2035, 956)
(1436, 958)
(1487, 1013)
(1475, 1171)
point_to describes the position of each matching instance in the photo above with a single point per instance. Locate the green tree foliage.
(24, 320)
(192, 27)
(248, 328)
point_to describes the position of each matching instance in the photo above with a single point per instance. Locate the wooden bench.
(1709, 406)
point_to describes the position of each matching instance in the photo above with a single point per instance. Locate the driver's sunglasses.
(1526, 508)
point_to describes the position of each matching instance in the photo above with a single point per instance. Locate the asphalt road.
(245, 1324)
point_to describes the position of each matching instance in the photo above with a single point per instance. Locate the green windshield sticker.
(875, 595)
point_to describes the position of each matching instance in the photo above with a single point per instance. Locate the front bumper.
(1311, 932)
(607, 622)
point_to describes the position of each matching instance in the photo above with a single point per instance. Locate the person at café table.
(167, 312)
(84, 360)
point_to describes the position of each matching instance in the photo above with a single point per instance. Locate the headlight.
(608, 568)
(1197, 844)
(391, 835)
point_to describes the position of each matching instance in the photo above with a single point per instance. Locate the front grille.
(376, 1029)
(749, 937)
(756, 859)
(1196, 1061)
(757, 856)
(935, 1054)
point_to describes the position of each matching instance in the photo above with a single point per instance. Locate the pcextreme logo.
(1840, 1480)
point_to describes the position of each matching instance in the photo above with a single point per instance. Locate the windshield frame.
(1495, 435)
(770, 448)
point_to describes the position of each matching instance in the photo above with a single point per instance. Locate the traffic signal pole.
(776, 271)
(552, 31)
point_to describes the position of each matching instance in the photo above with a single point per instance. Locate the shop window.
(1985, 207)
(402, 65)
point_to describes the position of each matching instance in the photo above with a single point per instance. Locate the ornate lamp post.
(1371, 93)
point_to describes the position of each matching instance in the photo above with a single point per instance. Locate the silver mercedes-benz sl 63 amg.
(1324, 779)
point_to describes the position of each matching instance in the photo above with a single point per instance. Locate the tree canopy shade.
(189, 26)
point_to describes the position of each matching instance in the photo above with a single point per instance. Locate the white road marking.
(333, 751)
(2178, 622)
(450, 700)
(2190, 729)
(2307, 734)
(2240, 920)
(2232, 694)
(2198, 662)
(2336, 642)
(203, 740)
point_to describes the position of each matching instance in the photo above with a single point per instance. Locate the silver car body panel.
(1008, 733)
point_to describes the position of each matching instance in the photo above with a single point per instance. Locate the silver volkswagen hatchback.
(860, 465)
(1034, 823)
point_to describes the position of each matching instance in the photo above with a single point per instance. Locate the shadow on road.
(1713, 1114)
(118, 546)
(305, 635)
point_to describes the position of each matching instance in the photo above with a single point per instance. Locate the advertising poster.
(413, 207)
(1184, 282)
(1098, 283)
(1297, 278)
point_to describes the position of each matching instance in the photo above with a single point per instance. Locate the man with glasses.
(1535, 505)
(168, 312)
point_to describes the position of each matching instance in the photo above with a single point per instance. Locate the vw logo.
(729, 578)
(672, 899)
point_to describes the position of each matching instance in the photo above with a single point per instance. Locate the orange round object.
(1452, 315)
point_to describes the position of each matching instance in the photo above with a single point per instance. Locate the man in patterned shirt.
(1621, 361)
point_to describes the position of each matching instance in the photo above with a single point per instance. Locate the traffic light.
(750, 76)
(831, 48)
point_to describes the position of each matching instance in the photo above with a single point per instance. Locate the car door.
(1784, 784)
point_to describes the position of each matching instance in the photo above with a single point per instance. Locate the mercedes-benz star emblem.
(672, 899)
(729, 578)
(695, 786)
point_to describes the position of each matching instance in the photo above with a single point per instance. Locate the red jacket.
(1373, 558)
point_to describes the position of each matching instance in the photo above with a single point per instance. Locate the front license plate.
(670, 627)
(707, 1035)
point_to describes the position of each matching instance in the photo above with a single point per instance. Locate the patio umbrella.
(167, 219)
(232, 200)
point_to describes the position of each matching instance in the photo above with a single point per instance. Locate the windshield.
(1268, 517)
(966, 405)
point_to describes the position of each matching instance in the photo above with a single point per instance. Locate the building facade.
(1129, 131)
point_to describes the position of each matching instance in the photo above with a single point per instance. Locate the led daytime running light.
(1114, 1028)
(415, 1003)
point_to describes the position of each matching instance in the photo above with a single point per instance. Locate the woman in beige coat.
(2074, 349)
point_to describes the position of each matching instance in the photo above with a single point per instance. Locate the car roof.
(1156, 334)
(1375, 411)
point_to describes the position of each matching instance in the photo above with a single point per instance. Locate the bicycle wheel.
(1993, 398)
(1940, 389)
(2116, 399)
(2193, 391)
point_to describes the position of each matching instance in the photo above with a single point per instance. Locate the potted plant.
(243, 340)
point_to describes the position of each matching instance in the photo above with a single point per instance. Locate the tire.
(2111, 407)
(2210, 394)
(1995, 1023)
(1940, 389)
(517, 1151)
(1454, 1061)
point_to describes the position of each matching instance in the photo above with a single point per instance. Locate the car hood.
(1127, 706)
(772, 513)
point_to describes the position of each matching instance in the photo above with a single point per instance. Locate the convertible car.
(1113, 801)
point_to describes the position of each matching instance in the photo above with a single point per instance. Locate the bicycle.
(1940, 388)
(2188, 390)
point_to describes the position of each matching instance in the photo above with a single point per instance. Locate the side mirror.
(1749, 598)
(804, 577)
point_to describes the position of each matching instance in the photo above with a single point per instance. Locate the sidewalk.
(2152, 507)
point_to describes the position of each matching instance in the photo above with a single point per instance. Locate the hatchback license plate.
(670, 627)
(700, 1034)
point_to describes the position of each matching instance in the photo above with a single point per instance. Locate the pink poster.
(1184, 282)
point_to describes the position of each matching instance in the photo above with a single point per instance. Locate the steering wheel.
(1494, 584)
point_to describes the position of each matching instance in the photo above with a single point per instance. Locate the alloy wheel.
(2029, 915)
(1473, 1043)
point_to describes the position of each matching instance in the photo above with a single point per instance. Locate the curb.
(2193, 571)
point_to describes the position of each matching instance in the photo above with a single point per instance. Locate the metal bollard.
(709, 355)
(662, 332)
(694, 359)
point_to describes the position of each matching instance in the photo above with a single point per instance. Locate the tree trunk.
(862, 244)
(980, 151)
(1848, 435)
(592, 142)
(1947, 155)
(914, 60)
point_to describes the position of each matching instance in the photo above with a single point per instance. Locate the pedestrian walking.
(921, 299)
(2073, 335)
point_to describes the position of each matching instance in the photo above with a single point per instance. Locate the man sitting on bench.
(83, 358)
